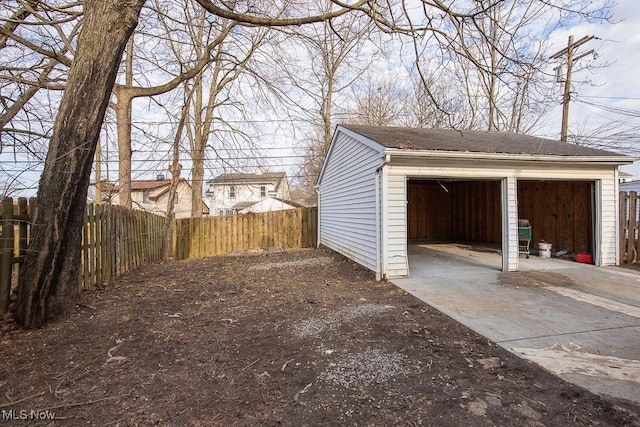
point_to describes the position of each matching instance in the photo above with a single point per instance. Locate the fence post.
(6, 252)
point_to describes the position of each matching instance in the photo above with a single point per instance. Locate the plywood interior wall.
(561, 213)
(454, 210)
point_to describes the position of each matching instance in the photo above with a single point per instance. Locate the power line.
(622, 98)
(611, 109)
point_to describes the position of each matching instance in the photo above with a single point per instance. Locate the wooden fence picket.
(6, 252)
(115, 239)
(218, 235)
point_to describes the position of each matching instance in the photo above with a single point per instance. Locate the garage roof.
(473, 141)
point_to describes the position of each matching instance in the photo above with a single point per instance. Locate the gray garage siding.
(347, 200)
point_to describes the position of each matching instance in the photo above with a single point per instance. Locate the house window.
(230, 212)
(263, 191)
(146, 198)
(232, 192)
(221, 212)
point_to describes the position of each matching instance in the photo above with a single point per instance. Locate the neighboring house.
(625, 177)
(231, 193)
(380, 187)
(153, 195)
(629, 186)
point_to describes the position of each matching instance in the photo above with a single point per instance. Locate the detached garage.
(381, 187)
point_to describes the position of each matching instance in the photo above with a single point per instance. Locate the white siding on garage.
(396, 224)
(347, 200)
(608, 248)
(510, 224)
(606, 197)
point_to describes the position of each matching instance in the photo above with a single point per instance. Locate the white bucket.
(544, 250)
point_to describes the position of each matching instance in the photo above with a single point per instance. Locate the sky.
(615, 85)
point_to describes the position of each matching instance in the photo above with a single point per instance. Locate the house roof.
(243, 205)
(146, 184)
(289, 202)
(149, 184)
(247, 178)
(472, 141)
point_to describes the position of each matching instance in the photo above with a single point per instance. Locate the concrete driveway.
(576, 320)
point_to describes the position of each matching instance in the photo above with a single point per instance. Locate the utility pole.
(569, 51)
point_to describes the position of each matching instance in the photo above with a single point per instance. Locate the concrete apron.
(578, 321)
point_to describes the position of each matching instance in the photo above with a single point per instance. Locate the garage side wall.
(347, 200)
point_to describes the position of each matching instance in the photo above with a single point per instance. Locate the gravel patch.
(371, 366)
(315, 326)
(319, 261)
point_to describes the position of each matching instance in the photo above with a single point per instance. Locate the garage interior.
(468, 212)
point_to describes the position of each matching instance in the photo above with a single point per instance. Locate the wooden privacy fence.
(629, 227)
(114, 240)
(201, 237)
(14, 234)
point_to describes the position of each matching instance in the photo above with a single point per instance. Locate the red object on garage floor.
(584, 258)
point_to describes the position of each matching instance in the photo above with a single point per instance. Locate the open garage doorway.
(453, 224)
(561, 213)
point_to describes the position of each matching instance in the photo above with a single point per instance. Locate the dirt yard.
(296, 338)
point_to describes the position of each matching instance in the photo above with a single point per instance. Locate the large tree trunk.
(49, 277)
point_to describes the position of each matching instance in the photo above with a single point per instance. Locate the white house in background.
(625, 177)
(153, 195)
(233, 193)
(380, 187)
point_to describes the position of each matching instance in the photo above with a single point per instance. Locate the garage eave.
(467, 155)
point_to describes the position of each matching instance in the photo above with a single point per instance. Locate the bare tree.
(50, 274)
(496, 51)
(36, 41)
(508, 59)
(49, 278)
(215, 95)
(331, 57)
(429, 109)
(380, 103)
(175, 170)
(127, 91)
